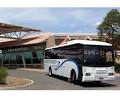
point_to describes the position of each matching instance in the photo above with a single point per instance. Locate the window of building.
(19, 59)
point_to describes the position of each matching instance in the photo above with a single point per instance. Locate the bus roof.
(82, 42)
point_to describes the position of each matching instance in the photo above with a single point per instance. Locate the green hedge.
(117, 68)
(3, 75)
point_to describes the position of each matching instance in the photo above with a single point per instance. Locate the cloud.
(72, 25)
(15, 15)
(79, 31)
(97, 23)
(79, 14)
(37, 15)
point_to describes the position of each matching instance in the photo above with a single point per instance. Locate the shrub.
(3, 75)
(117, 68)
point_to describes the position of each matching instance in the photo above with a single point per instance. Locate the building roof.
(78, 35)
(75, 34)
(8, 28)
(25, 41)
(83, 42)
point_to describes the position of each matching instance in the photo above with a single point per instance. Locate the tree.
(109, 29)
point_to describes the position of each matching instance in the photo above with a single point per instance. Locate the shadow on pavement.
(86, 84)
(58, 77)
(96, 84)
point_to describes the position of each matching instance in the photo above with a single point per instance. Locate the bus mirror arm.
(115, 53)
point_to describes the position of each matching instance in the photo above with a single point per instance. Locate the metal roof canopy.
(15, 31)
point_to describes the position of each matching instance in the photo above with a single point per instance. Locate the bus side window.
(46, 54)
(58, 54)
(51, 54)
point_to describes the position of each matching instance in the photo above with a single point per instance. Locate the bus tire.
(72, 78)
(98, 82)
(50, 72)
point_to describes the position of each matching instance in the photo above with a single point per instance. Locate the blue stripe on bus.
(64, 62)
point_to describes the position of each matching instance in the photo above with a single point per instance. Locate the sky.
(71, 20)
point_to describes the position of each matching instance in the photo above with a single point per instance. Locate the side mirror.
(115, 53)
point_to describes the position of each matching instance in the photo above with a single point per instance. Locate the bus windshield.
(98, 56)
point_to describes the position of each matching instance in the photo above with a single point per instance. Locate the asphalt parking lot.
(44, 82)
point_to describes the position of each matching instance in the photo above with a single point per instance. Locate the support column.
(2, 60)
(24, 64)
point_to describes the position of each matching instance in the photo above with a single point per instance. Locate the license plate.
(101, 72)
(101, 78)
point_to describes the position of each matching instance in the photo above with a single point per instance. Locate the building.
(25, 52)
(17, 47)
(62, 37)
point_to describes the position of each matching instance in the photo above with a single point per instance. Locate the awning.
(17, 31)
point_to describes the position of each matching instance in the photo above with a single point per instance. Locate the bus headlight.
(87, 74)
(111, 74)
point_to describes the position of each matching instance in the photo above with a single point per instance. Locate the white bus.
(82, 60)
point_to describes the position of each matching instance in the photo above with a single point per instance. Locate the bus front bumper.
(97, 78)
(98, 73)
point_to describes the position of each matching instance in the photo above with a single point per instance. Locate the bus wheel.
(72, 79)
(50, 72)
